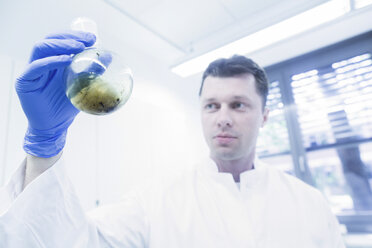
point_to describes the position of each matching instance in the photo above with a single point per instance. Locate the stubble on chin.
(223, 153)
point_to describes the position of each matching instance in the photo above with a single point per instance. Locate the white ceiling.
(166, 31)
(192, 27)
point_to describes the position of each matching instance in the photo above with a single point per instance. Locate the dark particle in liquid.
(93, 95)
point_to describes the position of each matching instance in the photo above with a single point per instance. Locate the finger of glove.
(88, 39)
(99, 66)
(53, 47)
(38, 68)
(105, 58)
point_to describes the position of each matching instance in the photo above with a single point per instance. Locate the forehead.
(226, 87)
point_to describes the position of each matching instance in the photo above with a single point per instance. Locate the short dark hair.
(235, 66)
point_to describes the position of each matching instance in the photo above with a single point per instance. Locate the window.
(327, 103)
(273, 142)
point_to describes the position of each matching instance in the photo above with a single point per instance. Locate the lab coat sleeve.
(47, 213)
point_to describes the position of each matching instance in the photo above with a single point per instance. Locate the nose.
(224, 119)
(224, 123)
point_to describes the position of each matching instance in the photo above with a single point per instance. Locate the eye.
(211, 106)
(238, 105)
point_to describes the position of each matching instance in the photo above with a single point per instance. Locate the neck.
(235, 167)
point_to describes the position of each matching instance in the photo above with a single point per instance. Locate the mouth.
(224, 135)
(224, 139)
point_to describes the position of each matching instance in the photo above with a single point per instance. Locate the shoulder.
(292, 185)
(304, 198)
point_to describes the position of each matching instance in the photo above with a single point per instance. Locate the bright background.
(158, 131)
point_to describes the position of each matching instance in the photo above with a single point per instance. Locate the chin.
(226, 156)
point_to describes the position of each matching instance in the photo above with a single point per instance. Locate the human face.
(231, 111)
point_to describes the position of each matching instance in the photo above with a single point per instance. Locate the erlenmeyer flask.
(97, 80)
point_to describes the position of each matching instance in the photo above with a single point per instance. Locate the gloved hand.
(41, 91)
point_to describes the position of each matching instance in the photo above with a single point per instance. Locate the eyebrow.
(209, 99)
(242, 98)
(239, 97)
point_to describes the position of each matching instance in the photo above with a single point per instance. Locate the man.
(231, 200)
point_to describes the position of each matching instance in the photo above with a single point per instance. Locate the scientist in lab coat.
(229, 200)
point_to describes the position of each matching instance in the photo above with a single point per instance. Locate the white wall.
(13, 122)
(6, 70)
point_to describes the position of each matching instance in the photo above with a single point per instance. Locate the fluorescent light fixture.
(361, 3)
(270, 35)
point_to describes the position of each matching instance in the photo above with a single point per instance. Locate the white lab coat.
(199, 208)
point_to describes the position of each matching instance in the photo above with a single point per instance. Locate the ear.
(265, 116)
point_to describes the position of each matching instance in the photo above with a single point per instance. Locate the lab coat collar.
(248, 179)
(209, 166)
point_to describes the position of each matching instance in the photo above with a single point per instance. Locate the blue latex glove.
(41, 91)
